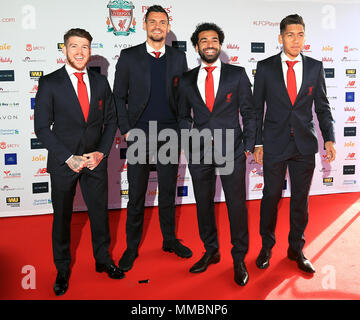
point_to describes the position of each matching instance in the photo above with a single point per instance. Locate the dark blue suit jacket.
(233, 95)
(132, 82)
(60, 124)
(274, 131)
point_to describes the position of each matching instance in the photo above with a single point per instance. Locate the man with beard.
(75, 119)
(143, 93)
(215, 92)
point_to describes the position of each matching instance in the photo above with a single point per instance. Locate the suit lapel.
(196, 88)
(144, 66)
(222, 83)
(93, 103)
(169, 73)
(305, 76)
(280, 77)
(71, 94)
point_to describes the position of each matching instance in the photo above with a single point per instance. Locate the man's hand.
(330, 151)
(76, 163)
(93, 159)
(258, 154)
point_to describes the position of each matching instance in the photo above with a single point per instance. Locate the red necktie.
(82, 94)
(209, 88)
(157, 54)
(291, 81)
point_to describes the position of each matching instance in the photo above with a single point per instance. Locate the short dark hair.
(291, 19)
(206, 26)
(77, 32)
(155, 8)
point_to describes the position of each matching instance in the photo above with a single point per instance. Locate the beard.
(72, 63)
(157, 39)
(209, 59)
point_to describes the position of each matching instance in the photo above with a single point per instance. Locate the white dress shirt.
(74, 80)
(203, 74)
(298, 69)
(150, 50)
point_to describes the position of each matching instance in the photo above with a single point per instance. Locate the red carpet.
(332, 236)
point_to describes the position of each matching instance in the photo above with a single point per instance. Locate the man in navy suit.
(143, 93)
(215, 92)
(289, 83)
(75, 119)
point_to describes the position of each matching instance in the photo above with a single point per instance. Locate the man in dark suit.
(143, 93)
(215, 92)
(289, 83)
(75, 119)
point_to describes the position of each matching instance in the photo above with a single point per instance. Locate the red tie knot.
(79, 75)
(157, 54)
(209, 69)
(291, 63)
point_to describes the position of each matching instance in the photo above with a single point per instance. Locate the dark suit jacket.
(280, 115)
(132, 82)
(233, 95)
(60, 124)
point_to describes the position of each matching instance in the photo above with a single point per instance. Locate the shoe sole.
(178, 254)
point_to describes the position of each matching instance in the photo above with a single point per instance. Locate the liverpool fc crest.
(120, 20)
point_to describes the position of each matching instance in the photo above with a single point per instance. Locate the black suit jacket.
(60, 124)
(233, 95)
(281, 116)
(132, 82)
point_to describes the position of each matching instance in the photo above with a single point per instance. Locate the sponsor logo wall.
(30, 47)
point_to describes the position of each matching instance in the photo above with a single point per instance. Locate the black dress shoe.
(61, 283)
(176, 247)
(241, 275)
(127, 260)
(263, 259)
(303, 263)
(111, 269)
(205, 261)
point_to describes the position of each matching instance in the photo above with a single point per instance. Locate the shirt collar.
(217, 64)
(150, 49)
(70, 70)
(284, 57)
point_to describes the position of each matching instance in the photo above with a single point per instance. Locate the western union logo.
(36, 74)
(60, 46)
(350, 71)
(13, 200)
(328, 180)
(124, 192)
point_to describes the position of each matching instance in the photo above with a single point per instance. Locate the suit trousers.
(94, 188)
(204, 184)
(138, 178)
(301, 169)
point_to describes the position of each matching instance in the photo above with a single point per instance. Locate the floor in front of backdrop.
(332, 244)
